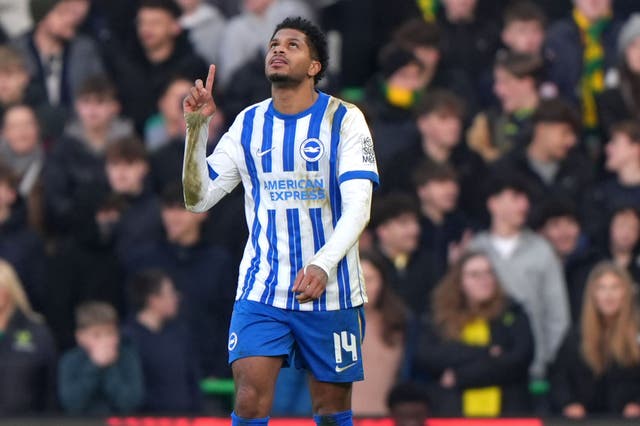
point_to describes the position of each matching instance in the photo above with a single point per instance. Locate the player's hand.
(200, 98)
(310, 284)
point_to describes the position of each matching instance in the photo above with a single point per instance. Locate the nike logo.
(265, 152)
(346, 367)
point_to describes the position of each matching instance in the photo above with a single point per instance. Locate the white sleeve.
(207, 180)
(356, 156)
(356, 207)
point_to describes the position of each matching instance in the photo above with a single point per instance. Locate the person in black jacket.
(551, 162)
(169, 365)
(27, 352)
(161, 52)
(202, 273)
(477, 344)
(597, 370)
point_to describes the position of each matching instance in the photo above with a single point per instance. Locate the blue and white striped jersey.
(291, 167)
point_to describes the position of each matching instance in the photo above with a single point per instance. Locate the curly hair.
(315, 39)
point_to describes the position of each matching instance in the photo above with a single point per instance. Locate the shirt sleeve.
(206, 180)
(357, 158)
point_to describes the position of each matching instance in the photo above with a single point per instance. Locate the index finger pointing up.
(210, 78)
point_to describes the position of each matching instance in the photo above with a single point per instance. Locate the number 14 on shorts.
(345, 342)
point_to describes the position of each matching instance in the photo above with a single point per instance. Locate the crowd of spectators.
(502, 259)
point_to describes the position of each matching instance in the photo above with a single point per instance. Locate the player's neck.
(6, 313)
(290, 100)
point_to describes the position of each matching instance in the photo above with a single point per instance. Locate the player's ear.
(314, 68)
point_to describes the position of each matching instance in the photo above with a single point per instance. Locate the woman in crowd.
(477, 345)
(384, 346)
(597, 370)
(27, 353)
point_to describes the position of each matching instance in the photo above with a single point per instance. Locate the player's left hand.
(310, 284)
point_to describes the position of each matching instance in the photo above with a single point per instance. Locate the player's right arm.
(205, 181)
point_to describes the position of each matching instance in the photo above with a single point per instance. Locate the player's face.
(156, 27)
(289, 58)
(21, 129)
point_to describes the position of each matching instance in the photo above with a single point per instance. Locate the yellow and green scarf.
(429, 9)
(592, 81)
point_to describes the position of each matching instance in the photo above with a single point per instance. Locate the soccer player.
(307, 165)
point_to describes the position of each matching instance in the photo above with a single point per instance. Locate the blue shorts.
(329, 343)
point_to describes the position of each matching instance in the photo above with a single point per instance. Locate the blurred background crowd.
(503, 253)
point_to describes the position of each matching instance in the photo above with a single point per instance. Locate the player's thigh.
(329, 344)
(256, 374)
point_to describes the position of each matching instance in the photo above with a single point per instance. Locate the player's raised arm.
(198, 108)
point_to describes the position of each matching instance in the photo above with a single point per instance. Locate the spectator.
(497, 131)
(394, 220)
(621, 100)
(161, 53)
(21, 149)
(162, 128)
(127, 167)
(19, 245)
(249, 32)
(469, 43)
(598, 366)
(526, 266)
(14, 80)
(581, 49)
(205, 25)
(444, 227)
(549, 162)
(57, 58)
(27, 352)
(102, 375)
(477, 344)
(557, 221)
(169, 365)
(408, 405)
(15, 88)
(74, 174)
(389, 99)
(439, 118)
(424, 39)
(524, 25)
(200, 271)
(387, 330)
(623, 188)
(624, 240)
